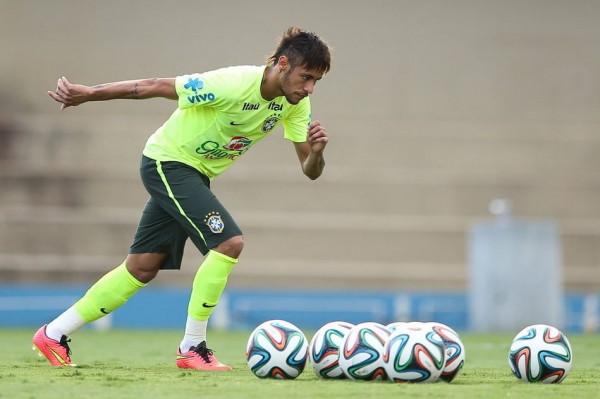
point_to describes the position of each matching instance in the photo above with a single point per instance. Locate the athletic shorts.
(180, 206)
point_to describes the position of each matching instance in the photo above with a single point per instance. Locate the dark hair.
(303, 48)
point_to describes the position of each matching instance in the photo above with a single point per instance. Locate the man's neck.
(269, 87)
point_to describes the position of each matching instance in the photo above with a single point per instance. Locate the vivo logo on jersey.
(275, 107)
(198, 98)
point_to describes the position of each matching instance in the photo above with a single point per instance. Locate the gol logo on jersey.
(232, 150)
(237, 143)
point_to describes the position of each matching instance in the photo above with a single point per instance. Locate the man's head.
(301, 59)
(302, 48)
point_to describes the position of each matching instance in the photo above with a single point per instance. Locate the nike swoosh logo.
(103, 310)
(206, 305)
(235, 124)
(58, 357)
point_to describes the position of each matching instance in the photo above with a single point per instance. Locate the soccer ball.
(277, 349)
(540, 353)
(398, 324)
(324, 349)
(395, 325)
(455, 350)
(361, 352)
(414, 354)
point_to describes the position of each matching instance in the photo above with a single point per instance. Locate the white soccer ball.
(540, 353)
(324, 349)
(414, 354)
(395, 325)
(361, 352)
(455, 350)
(277, 349)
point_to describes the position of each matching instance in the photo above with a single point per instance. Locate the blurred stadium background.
(434, 108)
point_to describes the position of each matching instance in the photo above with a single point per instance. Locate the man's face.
(298, 82)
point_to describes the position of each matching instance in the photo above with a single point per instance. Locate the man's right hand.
(68, 94)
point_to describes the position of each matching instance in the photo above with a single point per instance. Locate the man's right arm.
(70, 95)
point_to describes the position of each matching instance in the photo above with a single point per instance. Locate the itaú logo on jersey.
(212, 149)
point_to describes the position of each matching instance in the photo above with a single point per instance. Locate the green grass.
(140, 364)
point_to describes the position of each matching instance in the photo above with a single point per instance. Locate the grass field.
(140, 364)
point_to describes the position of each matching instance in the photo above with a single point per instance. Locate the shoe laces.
(64, 343)
(203, 351)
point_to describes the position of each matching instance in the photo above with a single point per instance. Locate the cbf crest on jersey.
(214, 222)
(270, 123)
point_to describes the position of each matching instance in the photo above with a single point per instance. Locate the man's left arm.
(310, 152)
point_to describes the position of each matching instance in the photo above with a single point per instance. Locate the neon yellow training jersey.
(222, 114)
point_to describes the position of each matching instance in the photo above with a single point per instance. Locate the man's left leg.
(184, 193)
(208, 285)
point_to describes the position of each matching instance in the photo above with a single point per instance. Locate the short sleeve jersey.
(220, 115)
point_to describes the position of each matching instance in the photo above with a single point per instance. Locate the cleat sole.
(41, 356)
(35, 349)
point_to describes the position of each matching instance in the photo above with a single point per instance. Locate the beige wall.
(523, 61)
(440, 106)
(517, 69)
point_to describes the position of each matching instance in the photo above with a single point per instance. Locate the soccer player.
(221, 114)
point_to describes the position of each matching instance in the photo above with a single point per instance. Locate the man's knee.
(144, 267)
(232, 247)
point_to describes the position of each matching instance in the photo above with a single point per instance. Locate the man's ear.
(283, 63)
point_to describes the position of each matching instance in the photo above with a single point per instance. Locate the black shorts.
(181, 205)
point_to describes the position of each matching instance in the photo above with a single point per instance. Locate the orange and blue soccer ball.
(414, 353)
(361, 352)
(324, 349)
(540, 353)
(277, 349)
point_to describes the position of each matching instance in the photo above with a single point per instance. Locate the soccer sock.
(208, 285)
(65, 324)
(108, 294)
(195, 332)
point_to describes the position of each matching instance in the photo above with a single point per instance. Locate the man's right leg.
(106, 295)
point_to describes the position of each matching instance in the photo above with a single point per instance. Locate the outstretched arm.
(70, 95)
(310, 152)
